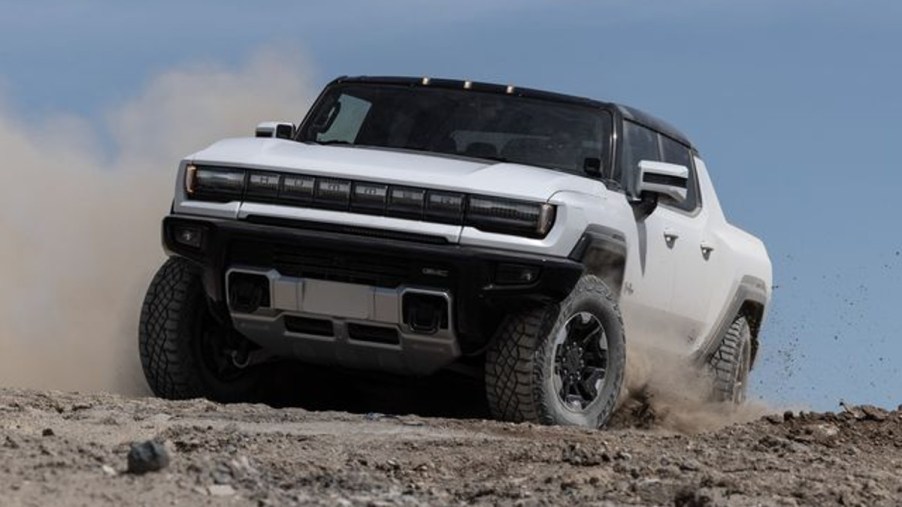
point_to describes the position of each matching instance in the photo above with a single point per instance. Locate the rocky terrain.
(72, 449)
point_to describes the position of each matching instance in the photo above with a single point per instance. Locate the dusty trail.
(53, 448)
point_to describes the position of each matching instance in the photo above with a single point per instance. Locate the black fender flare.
(603, 250)
(749, 300)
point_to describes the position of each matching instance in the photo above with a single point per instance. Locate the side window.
(675, 153)
(639, 143)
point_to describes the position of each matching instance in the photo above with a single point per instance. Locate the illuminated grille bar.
(505, 216)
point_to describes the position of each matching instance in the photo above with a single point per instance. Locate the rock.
(855, 412)
(47, 432)
(108, 471)
(692, 497)
(242, 466)
(773, 419)
(690, 465)
(872, 413)
(579, 456)
(788, 415)
(221, 490)
(221, 477)
(823, 431)
(149, 456)
(9, 443)
(773, 442)
(797, 447)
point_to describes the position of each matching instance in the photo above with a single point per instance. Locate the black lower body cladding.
(376, 258)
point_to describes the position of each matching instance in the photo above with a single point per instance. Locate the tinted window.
(639, 143)
(469, 123)
(345, 120)
(675, 153)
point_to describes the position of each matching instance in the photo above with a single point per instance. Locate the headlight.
(510, 217)
(214, 183)
(334, 194)
(505, 216)
(297, 188)
(445, 207)
(263, 185)
(369, 197)
(406, 202)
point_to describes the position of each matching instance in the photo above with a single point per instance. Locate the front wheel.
(559, 364)
(185, 352)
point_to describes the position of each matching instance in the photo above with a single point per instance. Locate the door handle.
(670, 237)
(707, 248)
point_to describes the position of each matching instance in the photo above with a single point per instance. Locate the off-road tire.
(731, 362)
(519, 361)
(167, 340)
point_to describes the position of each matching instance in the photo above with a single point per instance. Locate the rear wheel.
(731, 362)
(559, 364)
(185, 352)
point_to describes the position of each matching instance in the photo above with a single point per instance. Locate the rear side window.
(675, 153)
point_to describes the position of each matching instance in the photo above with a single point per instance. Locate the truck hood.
(392, 167)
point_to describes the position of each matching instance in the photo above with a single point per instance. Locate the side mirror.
(279, 129)
(663, 179)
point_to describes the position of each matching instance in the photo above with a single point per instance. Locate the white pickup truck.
(409, 225)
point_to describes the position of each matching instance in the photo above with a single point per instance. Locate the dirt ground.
(70, 449)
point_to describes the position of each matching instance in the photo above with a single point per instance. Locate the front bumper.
(359, 260)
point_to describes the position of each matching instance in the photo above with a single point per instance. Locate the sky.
(794, 105)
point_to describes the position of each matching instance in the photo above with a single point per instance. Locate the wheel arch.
(753, 311)
(749, 301)
(602, 250)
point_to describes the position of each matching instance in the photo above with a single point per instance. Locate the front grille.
(347, 229)
(358, 267)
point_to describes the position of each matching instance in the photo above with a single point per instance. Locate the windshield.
(566, 137)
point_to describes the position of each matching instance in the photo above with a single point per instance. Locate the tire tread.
(726, 361)
(169, 370)
(516, 366)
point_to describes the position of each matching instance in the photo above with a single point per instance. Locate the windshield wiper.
(335, 141)
(490, 157)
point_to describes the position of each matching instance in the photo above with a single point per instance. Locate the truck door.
(692, 251)
(649, 280)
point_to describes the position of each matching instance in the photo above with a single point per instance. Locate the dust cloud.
(664, 390)
(80, 210)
